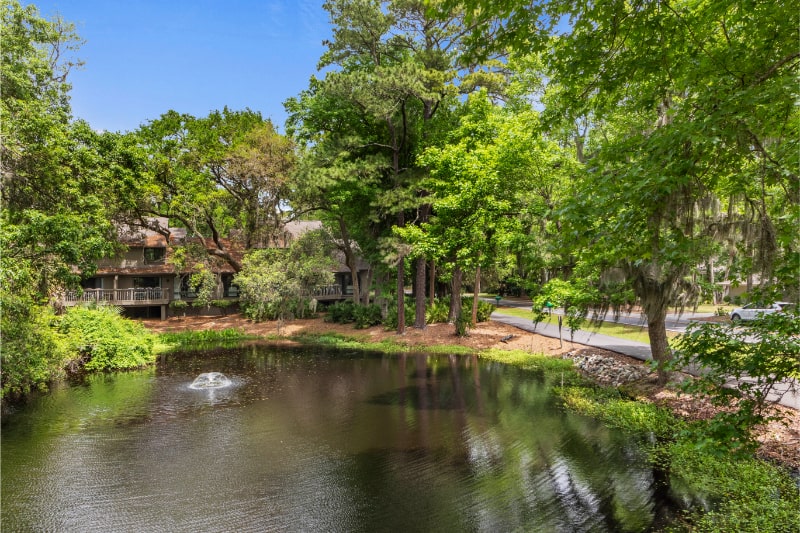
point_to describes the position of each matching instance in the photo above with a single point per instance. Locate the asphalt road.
(786, 393)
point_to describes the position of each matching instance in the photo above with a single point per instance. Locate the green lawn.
(622, 331)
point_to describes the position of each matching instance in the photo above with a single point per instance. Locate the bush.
(758, 360)
(100, 339)
(179, 305)
(391, 316)
(438, 312)
(367, 315)
(463, 323)
(33, 354)
(341, 313)
(485, 309)
(223, 305)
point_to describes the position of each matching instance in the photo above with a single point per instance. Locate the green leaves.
(276, 283)
(105, 340)
(740, 368)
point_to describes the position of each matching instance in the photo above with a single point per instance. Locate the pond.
(320, 440)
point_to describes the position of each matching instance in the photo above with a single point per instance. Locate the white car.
(754, 310)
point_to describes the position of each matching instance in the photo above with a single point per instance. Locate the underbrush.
(389, 346)
(98, 338)
(195, 340)
(365, 316)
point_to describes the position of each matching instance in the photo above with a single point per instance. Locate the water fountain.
(210, 380)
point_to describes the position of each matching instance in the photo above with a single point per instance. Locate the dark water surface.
(320, 441)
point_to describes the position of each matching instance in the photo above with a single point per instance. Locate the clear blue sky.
(145, 57)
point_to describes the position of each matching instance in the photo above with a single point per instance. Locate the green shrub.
(223, 305)
(752, 495)
(463, 323)
(100, 339)
(438, 312)
(390, 322)
(33, 354)
(485, 309)
(341, 313)
(367, 315)
(195, 340)
(179, 305)
(286, 309)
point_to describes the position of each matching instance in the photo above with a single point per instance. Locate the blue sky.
(145, 57)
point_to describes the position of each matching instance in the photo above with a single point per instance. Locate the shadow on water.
(322, 440)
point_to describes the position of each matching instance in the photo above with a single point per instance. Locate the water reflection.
(320, 441)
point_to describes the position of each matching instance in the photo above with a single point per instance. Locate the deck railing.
(147, 296)
(328, 292)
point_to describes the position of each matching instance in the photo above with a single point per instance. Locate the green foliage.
(390, 322)
(463, 323)
(32, 354)
(758, 358)
(438, 312)
(574, 296)
(223, 305)
(556, 367)
(179, 305)
(223, 174)
(614, 409)
(103, 340)
(198, 340)
(341, 312)
(485, 309)
(278, 283)
(366, 316)
(56, 200)
(203, 283)
(750, 495)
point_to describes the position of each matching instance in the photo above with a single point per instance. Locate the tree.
(226, 174)
(55, 216)
(396, 68)
(693, 104)
(339, 173)
(741, 370)
(275, 283)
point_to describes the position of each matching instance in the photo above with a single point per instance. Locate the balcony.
(328, 292)
(148, 296)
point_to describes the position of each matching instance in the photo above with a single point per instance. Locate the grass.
(195, 340)
(390, 345)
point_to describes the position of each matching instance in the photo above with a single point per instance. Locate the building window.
(229, 288)
(154, 255)
(92, 283)
(187, 291)
(146, 283)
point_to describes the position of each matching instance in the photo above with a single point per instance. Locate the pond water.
(304, 440)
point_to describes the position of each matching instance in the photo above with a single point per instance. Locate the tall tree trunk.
(419, 280)
(365, 287)
(432, 282)
(401, 284)
(419, 289)
(455, 295)
(475, 294)
(659, 345)
(350, 260)
(655, 289)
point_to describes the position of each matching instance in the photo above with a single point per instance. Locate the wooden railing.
(149, 296)
(328, 292)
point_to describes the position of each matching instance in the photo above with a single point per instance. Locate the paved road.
(675, 321)
(786, 394)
